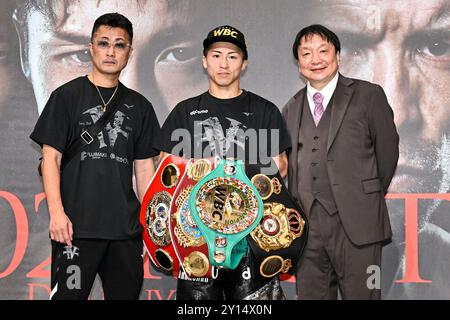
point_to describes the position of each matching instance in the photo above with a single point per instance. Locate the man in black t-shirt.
(229, 122)
(94, 211)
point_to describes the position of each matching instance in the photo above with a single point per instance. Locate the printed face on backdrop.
(165, 65)
(405, 47)
(408, 53)
(8, 52)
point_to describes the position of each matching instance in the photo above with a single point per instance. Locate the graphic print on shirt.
(113, 130)
(213, 134)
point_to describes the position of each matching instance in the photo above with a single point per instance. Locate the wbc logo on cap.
(225, 32)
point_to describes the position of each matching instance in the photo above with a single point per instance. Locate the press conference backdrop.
(402, 45)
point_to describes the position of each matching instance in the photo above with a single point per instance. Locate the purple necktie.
(318, 107)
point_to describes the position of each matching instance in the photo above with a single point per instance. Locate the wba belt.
(277, 243)
(188, 242)
(155, 213)
(226, 207)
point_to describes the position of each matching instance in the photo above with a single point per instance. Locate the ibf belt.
(278, 241)
(188, 242)
(155, 213)
(226, 207)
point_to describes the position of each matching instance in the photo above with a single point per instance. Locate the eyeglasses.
(105, 45)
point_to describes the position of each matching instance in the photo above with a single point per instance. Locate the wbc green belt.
(226, 207)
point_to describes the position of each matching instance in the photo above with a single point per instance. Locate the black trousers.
(242, 283)
(119, 264)
(331, 261)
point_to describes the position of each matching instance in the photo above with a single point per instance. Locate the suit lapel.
(342, 96)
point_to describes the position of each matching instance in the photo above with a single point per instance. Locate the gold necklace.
(101, 97)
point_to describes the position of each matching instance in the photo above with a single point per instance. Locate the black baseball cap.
(226, 34)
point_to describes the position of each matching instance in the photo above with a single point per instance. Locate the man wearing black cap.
(228, 122)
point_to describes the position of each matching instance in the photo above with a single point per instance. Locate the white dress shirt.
(327, 93)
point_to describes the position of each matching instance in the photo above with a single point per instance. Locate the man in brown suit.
(344, 154)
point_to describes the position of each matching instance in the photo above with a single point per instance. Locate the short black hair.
(114, 20)
(316, 29)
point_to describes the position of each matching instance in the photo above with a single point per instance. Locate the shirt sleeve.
(150, 133)
(166, 142)
(52, 127)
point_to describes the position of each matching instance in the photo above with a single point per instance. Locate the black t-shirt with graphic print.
(246, 127)
(97, 184)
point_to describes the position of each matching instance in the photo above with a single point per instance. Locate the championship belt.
(278, 241)
(188, 242)
(155, 213)
(226, 207)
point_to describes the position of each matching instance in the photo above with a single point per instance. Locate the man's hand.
(61, 229)
(282, 163)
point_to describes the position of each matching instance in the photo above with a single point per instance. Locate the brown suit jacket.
(362, 156)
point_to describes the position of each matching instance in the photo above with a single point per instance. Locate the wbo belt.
(155, 213)
(226, 207)
(278, 241)
(188, 242)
